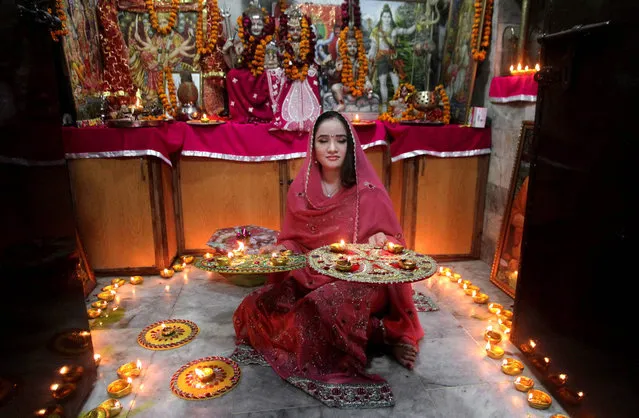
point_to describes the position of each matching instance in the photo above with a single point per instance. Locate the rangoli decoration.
(370, 264)
(205, 378)
(169, 334)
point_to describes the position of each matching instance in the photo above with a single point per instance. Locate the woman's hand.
(378, 239)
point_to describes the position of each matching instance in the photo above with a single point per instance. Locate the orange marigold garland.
(439, 90)
(153, 17)
(479, 48)
(212, 27)
(297, 68)
(355, 87)
(57, 34)
(410, 113)
(169, 103)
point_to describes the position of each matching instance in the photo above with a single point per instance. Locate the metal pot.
(423, 100)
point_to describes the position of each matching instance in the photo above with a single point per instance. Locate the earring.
(315, 162)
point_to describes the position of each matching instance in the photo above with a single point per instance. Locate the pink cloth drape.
(314, 330)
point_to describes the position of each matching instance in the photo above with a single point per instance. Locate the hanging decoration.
(479, 48)
(254, 46)
(153, 17)
(354, 85)
(296, 67)
(169, 103)
(206, 39)
(57, 34)
(439, 90)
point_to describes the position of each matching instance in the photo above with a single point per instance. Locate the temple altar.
(160, 191)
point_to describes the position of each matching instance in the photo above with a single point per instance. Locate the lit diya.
(167, 273)
(179, 267)
(523, 383)
(136, 280)
(528, 348)
(571, 396)
(479, 298)
(119, 388)
(110, 287)
(344, 264)
(118, 281)
(99, 304)
(167, 330)
(338, 247)
(188, 259)
(495, 308)
(539, 399)
(494, 351)
(454, 277)
(469, 289)
(491, 336)
(71, 373)
(512, 367)
(394, 248)
(61, 391)
(278, 260)
(93, 313)
(112, 406)
(407, 264)
(204, 374)
(558, 380)
(224, 260)
(462, 282)
(131, 369)
(108, 296)
(52, 411)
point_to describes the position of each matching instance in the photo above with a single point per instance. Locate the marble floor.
(452, 376)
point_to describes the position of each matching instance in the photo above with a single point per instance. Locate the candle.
(132, 369)
(538, 399)
(179, 267)
(523, 383)
(494, 351)
(71, 373)
(356, 118)
(394, 248)
(99, 304)
(338, 247)
(167, 273)
(495, 307)
(118, 281)
(136, 280)
(119, 388)
(188, 259)
(204, 374)
(61, 391)
(93, 313)
(480, 298)
(558, 379)
(491, 336)
(407, 264)
(512, 367)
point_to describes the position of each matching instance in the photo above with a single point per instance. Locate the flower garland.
(479, 49)
(212, 26)
(357, 14)
(170, 103)
(57, 34)
(283, 6)
(297, 68)
(439, 90)
(254, 47)
(409, 114)
(356, 88)
(153, 17)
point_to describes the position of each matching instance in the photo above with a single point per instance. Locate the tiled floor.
(452, 377)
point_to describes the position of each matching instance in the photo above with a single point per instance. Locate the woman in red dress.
(315, 330)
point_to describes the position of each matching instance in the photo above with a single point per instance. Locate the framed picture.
(459, 67)
(505, 269)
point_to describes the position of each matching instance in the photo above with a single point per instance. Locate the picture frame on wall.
(505, 269)
(458, 66)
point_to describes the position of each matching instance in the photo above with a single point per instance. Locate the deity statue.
(298, 105)
(246, 82)
(354, 79)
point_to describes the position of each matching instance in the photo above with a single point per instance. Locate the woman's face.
(331, 144)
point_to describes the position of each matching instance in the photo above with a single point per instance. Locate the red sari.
(313, 330)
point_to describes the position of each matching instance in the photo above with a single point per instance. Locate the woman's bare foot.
(405, 354)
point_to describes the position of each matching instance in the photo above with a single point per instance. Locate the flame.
(97, 357)
(532, 344)
(530, 396)
(497, 311)
(580, 394)
(55, 386)
(519, 67)
(546, 360)
(489, 328)
(391, 245)
(459, 280)
(518, 380)
(537, 68)
(199, 372)
(240, 246)
(129, 380)
(64, 370)
(505, 362)
(167, 288)
(488, 347)
(465, 286)
(138, 364)
(474, 293)
(230, 255)
(203, 115)
(163, 325)
(273, 255)
(512, 68)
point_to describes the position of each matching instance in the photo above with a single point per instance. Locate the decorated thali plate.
(211, 122)
(369, 264)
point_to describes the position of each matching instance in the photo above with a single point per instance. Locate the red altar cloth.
(103, 142)
(440, 141)
(514, 88)
(254, 142)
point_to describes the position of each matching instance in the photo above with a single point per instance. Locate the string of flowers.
(255, 46)
(439, 90)
(410, 113)
(356, 87)
(357, 14)
(153, 17)
(212, 26)
(57, 34)
(283, 6)
(169, 103)
(296, 67)
(479, 49)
